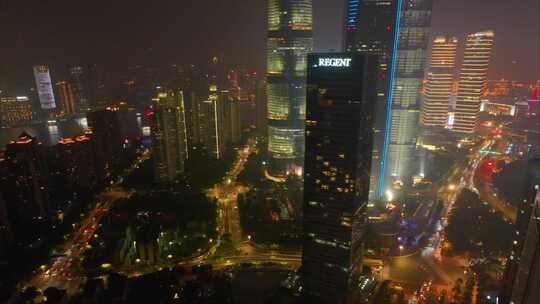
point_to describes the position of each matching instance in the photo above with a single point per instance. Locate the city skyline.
(514, 53)
(211, 154)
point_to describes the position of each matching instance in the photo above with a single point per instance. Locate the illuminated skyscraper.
(67, 99)
(472, 80)
(212, 115)
(169, 137)
(341, 97)
(289, 42)
(399, 151)
(369, 29)
(44, 87)
(80, 86)
(439, 82)
(397, 31)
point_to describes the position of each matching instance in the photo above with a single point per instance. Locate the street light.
(451, 187)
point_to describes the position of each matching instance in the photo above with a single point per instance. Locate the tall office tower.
(169, 136)
(439, 82)
(406, 78)
(373, 27)
(261, 110)
(289, 42)
(472, 81)
(76, 160)
(234, 121)
(212, 122)
(27, 180)
(44, 87)
(66, 96)
(341, 98)
(106, 140)
(369, 29)
(80, 86)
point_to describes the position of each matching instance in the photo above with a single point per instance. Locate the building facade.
(398, 32)
(406, 78)
(289, 41)
(472, 81)
(28, 179)
(440, 79)
(44, 87)
(66, 97)
(370, 29)
(15, 110)
(341, 98)
(169, 135)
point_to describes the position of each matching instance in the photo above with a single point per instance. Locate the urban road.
(411, 271)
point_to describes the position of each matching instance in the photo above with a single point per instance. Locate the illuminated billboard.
(44, 87)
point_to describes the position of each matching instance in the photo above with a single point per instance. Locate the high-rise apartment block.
(440, 79)
(472, 81)
(169, 137)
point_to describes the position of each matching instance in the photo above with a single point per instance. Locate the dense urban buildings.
(235, 157)
(341, 98)
(472, 81)
(169, 137)
(289, 41)
(440, 79)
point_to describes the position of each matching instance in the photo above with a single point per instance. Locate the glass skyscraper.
(398, 31)
(341, 97)
(289, 42)
(369, 29)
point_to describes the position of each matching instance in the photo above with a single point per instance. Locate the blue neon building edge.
(389, 101)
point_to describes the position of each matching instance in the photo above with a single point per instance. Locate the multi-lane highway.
(63, 270)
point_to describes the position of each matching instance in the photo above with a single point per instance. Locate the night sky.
(181, 31)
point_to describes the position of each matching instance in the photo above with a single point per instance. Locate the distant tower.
(106, 141)
(47, 103)
(80, 85)
(169, 136)
(67, 99)
(261, 110)
(534, 102)
(472, 81)
(440, 80)
(213, 126)
(289, 41)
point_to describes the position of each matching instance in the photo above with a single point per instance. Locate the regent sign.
(335, 62)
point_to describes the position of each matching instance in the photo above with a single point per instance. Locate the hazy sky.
(180, 31)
